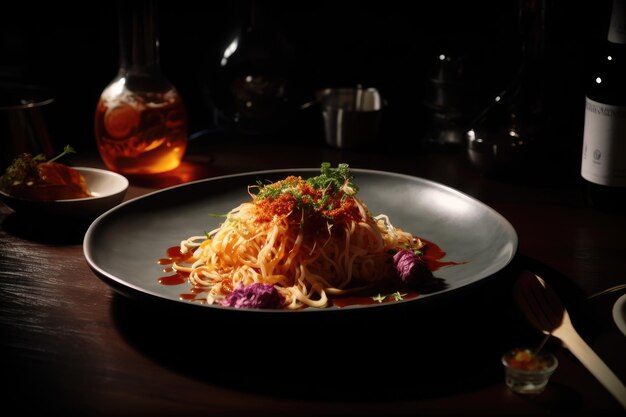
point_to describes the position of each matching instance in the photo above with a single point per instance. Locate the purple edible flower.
(411, 268)
(255, 295)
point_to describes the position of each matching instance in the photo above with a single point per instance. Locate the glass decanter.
(141, 122)
(248, 87)
(504, 136)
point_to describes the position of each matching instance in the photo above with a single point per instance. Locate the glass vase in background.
(503, 138)
(248, 84)
(450, 97)
(141, 122)
(24, 114)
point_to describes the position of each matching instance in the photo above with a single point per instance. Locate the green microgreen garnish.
(66, 151)
(334, 179)
(415, 251)
(218, 215)
(396, 297)
(379, 298)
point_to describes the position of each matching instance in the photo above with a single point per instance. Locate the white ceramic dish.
(108, 189)
(619, 313)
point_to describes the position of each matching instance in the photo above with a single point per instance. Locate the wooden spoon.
(545, 311)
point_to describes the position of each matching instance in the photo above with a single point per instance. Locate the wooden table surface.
(71, 344)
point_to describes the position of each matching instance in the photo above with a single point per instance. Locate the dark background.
(390, 45)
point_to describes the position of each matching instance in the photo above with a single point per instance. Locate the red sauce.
(176, 279)
(433, 254)
(188, 296)
(174, 255)
(193, 295)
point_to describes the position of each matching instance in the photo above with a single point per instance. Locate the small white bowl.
(107, 188)
(619, 313)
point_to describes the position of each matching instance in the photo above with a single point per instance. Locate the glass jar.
(140, 122)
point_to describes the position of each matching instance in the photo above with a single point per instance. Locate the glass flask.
(141, 122)
(248, 85)
(503, 138)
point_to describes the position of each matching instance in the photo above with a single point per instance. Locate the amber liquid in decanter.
(141, 132)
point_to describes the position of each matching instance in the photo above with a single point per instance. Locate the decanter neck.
(138, 31)
(532, 27)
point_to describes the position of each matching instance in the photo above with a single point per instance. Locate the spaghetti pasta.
(307, 240)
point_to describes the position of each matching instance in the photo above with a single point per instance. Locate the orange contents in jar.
(526, 360)
(141, 133)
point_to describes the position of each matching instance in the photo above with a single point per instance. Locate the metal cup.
(23, 127)
(352, 116)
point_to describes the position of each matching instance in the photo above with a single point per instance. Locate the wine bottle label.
(604, 144)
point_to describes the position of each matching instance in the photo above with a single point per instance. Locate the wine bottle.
(603, 166)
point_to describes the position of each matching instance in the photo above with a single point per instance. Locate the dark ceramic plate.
(123, 245)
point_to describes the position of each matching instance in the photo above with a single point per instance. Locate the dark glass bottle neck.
(139, 44)
(616, 26)
(529, 85)
(531, 22)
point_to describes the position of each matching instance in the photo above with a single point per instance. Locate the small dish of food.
(33, 186)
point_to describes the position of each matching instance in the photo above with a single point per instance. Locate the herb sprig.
(333, 179)
(67, 150)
